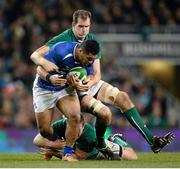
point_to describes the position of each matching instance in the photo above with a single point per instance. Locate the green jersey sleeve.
(87, 140)
(59, 127)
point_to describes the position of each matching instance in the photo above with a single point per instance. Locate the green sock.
(136, 121)
(107, 133)
(100, 131)
(121, 142)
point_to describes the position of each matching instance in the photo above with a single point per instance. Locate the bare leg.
(70, 107)
(43, 120)
(103, 114)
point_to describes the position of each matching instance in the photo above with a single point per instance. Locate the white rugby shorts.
(44, 99)
(93, 90)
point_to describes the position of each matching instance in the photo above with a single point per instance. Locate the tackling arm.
(38, 58)
(96, 76)
(40, 141)
(80, 154)
(42, 72)
(55, 145)
(53, 79)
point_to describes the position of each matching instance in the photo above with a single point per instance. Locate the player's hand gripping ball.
(78, 72)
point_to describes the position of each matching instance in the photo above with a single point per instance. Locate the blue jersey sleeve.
(59, 52)
(89, 70)
(51, 55)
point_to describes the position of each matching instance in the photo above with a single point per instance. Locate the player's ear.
(80, 50)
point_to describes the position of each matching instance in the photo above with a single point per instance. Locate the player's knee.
(106, 115)
(111, 94)
(85, 100)
(96, 107)
(123, 96)
(123, 101)
(74, 117)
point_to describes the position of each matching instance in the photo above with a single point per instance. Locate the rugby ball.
(79, 73)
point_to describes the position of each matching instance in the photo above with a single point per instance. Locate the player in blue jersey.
(46, 95)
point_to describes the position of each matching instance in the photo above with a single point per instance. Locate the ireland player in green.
(103, 91)
(85, 146)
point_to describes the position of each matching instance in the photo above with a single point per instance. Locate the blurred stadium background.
(141, 55)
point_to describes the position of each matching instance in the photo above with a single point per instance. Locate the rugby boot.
(161, 142)
(104, 149)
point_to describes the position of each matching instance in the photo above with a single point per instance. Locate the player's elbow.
(34, 57)
(40, 141)
(38, 54)
(133, 157)
(129, 154)
(37, 140)
(98, 77)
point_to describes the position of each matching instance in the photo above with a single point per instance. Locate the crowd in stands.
(150, 98)
(26, 25)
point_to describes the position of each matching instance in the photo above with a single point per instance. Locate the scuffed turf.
(146, 160)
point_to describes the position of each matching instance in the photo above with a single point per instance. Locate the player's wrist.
(48, 76)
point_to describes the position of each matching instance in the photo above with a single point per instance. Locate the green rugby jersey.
(68, 35)
(86, 142)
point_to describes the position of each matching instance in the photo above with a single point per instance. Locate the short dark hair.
(81, 13)
(90, 46)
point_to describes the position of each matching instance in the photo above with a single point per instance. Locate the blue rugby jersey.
(61, 54)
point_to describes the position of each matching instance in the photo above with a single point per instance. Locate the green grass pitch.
(146, 160)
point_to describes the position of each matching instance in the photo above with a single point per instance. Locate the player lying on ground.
(85, 146)
(100, 89)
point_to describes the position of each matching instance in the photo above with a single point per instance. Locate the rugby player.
(85, 146)
(46, 96)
